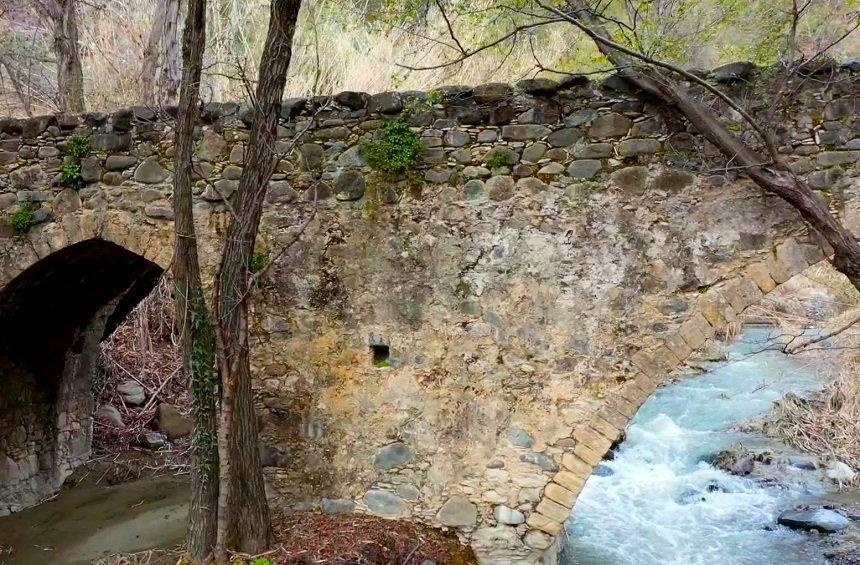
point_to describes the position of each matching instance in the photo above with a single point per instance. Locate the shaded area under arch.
(54, 315)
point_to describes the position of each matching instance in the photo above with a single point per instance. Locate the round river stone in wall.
(120, 162)
(507, 515)
(349, 185)
(150, 172)
(519, 437)
(385, 504)
(458, 511)
(584, 168)
(393, 455)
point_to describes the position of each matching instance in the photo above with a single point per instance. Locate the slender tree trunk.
(160, 74)
(769, 173)
(17, 86)
(170, 70)
(197, 333)
(149, 69)
(243, 514)
(70, 75)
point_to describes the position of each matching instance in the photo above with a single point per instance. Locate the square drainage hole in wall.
(380, 355)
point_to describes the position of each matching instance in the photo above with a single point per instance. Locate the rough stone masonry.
(458, 346)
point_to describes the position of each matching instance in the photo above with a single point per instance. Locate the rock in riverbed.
(152, 440)
(821, 519)
(736, 463)
(131, 392)
(172, 423)
(108, 414)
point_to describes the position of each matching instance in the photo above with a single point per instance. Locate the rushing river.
(660, 502)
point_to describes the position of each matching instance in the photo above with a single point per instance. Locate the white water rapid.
(659, 501)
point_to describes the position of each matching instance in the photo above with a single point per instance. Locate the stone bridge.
(458, 346)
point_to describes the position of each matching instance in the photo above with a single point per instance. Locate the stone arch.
(54, 314)
(717, 307)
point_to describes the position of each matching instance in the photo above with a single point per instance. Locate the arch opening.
(52, 318)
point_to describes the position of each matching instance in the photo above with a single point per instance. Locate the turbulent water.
(660, 502)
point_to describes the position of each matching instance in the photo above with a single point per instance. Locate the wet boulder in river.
(821, 519)
(734, 462)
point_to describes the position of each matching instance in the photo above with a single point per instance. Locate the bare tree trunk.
(197, 333)
(243, 514)
(70, 76)
(149, 70)
(17, 86)
(161, 57)
(170, 70)
(769, 173)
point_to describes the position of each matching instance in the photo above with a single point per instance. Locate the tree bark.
(197, 334)
(70, 76)
(769, 173)
(149, 69)
(170, 69)
(160, 74)
(243, 514)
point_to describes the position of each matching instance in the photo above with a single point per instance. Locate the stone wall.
(459, 346)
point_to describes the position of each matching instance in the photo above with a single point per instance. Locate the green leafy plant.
(71, 175)
(252, 561)
(496, 159)
(259, 260)
(22, 219)
(396, 151)
(380, 363)
(434, 97)
(78, 146)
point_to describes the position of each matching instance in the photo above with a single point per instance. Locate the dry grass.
(150, 557)
(827, 424)
(339, 47)
(335, 49)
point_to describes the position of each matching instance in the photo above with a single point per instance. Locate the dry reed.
(827, 424)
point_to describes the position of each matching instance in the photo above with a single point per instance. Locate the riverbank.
(142, 521)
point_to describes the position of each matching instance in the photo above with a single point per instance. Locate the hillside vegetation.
(367, 45)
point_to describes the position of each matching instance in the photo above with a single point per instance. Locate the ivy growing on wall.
(78, 146)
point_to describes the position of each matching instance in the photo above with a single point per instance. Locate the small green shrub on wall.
(71, 176)
(496, 159)
(78, 146)
(397, 150)
(259, 260)
(22, 219)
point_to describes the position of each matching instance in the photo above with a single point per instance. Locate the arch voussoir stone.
(717, 307)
